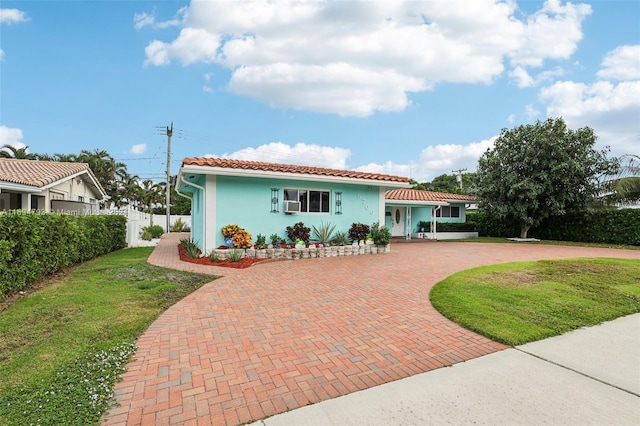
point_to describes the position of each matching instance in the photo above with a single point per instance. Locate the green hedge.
(597, 226)
(491, 227)
(468, 226)
(592, 226)
(34, 245)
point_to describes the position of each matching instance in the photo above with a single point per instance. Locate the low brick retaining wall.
(307, 253)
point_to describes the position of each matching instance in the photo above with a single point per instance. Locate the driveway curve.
(281, 335)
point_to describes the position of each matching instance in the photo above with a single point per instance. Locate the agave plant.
(324, 232)
(235, 255)
(340, 239)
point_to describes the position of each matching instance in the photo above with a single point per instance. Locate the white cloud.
(1, 55)
(522, 77)
(553, 32)
(138, 149)
(622, 63)
(530, 112)
(300, 154)
(388, 168)
(12, 16)
(192, 45)
(612, 110)
(207, 88)
(433, 160)
(11, 136)
(330, 88)
(357, 58)
(511, 118)
(144, 19)
(436, 160)
(141, 20)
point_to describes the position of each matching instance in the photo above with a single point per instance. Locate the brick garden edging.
(308, 252)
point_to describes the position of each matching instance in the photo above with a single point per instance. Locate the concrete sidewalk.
(589, 376)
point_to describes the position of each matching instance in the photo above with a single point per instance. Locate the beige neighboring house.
(48, 186)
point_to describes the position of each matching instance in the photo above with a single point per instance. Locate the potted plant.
(381, 237)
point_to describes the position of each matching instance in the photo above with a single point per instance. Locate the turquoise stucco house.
(265, 198)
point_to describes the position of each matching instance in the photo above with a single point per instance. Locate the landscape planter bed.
(252, 256)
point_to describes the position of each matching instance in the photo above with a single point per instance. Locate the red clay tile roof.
(289, 168)
(37, 173)
(420, 195)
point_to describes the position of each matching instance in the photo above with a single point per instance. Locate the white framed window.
(311, 200)
(448, 211)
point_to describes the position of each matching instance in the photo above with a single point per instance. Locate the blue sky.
(407, 88)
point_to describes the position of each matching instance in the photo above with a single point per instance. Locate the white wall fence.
(136, 220)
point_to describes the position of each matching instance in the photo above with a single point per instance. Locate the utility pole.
(459, 176)
(168, 187)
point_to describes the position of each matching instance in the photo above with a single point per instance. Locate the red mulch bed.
(245, 262)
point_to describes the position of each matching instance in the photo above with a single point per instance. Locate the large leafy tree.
(541, 170)
(449, 184)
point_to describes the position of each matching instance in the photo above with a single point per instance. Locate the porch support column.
(382, 205)
(26, 201)
(407, 222)
(209, 215)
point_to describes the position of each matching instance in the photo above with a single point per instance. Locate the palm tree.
(65, 158)
(129, 191)
(627, 186)
(150, 194)
(10, 151)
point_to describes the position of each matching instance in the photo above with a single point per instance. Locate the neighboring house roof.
(425, 197)
(43, 174)
(223, 166)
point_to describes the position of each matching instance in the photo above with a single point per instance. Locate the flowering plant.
(229, 231)
(241, 239)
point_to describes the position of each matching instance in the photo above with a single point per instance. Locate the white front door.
(397, 215)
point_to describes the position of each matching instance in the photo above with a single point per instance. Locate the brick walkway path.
(281, 335)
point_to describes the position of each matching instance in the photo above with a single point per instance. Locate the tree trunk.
(524, 230)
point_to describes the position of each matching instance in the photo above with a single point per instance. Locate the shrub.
(275, 239)
(34, 245)
(423, 224)
(229, 231)
(596, 226)
(340, 238)
(178, 225)
(192, 251)
(145, 235)
(324, 232)
(261, 241)
(381, 235)
(358, 231)
(155, 231)
(450, 226)
(186, 243)
(241, 239)
(298, 232)
(213, 256)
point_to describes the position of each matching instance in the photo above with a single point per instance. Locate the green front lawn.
(516, 303)
(63, 346)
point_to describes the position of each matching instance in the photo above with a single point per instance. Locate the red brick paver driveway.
(281, 335)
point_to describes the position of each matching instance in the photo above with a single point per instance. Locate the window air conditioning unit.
(292, 206)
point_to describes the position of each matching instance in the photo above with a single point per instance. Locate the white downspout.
(204, 210)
